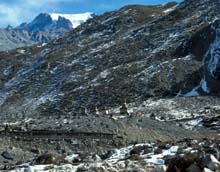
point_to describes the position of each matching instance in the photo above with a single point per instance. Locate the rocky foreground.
(190, 143)
(186, 155)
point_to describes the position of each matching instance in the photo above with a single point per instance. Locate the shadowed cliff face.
(128, 55)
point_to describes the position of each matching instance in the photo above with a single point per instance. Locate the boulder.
(35, 151)
(211, 162)
(45, 159)
(140, 150)
(193, 168)
(7, 155)
(177, 164)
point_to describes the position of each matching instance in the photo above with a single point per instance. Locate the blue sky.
(14, 12)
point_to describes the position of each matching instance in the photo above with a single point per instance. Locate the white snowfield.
(76, 19)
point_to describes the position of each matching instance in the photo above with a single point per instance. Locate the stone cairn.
(124, 109)
(97, 111)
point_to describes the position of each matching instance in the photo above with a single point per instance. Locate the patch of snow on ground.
(126, 11)
(109, 19)
(120, 154)
(42, 45)
(193, 92)
(178, 113)
(160, 102)
(102, 47)
(172, 151)
(72, 157)
(214, 52)
(104, 74)
(47, 168)
(193, 123)
(215, 19)
(74, 62)
(169, 9)
(51, 96)
(155, 159)
(21, 51)
(204, 86)
(174, 35)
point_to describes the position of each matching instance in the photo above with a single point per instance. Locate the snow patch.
(20, 51)
(72, 157)
(42, 45)
(174, 35)
(214, 53)
(76, 19)
(155, 161)
(170, 9)
(193, 123)
(120, 154)
(204, 86)
(49, 96)
(215, 19)
(104, 73)
(126, 11)
(193, 92)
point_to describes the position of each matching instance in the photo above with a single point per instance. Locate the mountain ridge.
(41, 30)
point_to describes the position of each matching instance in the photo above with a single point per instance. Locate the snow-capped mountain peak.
(76, 19)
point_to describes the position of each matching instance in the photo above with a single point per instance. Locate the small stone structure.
(106, 111)
(124, 109)
(97, 111)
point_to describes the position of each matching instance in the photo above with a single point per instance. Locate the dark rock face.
(41, 22)
(44, 22)
(122, 56)
(64, 23)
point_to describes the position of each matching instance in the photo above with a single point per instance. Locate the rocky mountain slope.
(44, 28)
(126, 55)
(162, 60)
